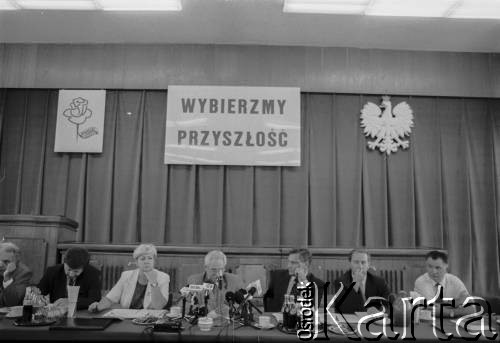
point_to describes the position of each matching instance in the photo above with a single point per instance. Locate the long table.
(126, 331)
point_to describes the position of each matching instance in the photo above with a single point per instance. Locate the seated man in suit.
(286, 281)
(75, 271)
(14, 275)
(366, 284)
(215, 266)
(427, 284)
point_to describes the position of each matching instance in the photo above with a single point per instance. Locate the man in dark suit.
(366, 284)
(75, 271)
(14, 275)
(286, 281)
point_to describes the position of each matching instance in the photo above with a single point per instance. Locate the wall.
(340, 70)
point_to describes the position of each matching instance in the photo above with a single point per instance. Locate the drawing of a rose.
(78, 113)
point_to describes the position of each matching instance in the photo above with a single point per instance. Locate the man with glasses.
(14, 275)
(75, 271)
(215, 273)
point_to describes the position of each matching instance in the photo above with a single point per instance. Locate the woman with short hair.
(144, 287)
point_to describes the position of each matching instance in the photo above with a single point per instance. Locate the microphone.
(218, 279)
(239, 296)
(184, 291)
(250, 293)
(230, 301)
(242, 298)
(230, 297)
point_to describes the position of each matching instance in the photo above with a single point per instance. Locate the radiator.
(393, 277)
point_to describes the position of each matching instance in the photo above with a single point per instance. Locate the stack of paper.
(132, 314)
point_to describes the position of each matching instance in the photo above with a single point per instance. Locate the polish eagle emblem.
(389, 126)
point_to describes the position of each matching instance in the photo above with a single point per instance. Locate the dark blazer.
(54, 283)
(13, 295)
(278, 284)
(374, 286)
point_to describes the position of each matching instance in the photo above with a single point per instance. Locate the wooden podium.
(37, 237)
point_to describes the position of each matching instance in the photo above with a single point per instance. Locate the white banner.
(80, 121)
(233, 125)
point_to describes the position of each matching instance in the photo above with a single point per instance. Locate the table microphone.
(230, 297)
(250, 293)
(230, 301)
(239, 296)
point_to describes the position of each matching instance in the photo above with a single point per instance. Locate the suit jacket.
(54, 283)
(123, 291)
(278, 284)
(13, 295)
(374, 286)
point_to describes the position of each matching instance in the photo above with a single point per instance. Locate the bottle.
(298, 306)
(286, 311)
(27, 306)
(293, 313)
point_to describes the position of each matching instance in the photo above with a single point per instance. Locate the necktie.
(362, 291)
(437, 291)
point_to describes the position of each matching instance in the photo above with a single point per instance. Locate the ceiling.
(257, 22)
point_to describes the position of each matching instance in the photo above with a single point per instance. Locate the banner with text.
(233, 125)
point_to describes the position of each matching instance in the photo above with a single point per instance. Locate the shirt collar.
(442, 282)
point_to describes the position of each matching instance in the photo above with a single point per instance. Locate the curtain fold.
(440, 193)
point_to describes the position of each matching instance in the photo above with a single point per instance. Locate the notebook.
(82, 324)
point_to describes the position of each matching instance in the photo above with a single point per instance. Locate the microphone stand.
(246, 314)
(183, 308)
(252, 306)
(219, 320)
(205, 312)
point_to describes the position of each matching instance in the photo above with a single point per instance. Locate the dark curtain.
(441, 192)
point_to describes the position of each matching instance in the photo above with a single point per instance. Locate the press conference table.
(127, 331)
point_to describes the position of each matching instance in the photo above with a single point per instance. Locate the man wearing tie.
(285, 281)
(366, 284)
(427, 285)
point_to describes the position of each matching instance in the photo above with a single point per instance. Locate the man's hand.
(301, 273)
(358, 276)
(61, 302)
(7, 274)
(94, 307)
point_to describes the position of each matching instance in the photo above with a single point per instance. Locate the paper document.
(132, 314)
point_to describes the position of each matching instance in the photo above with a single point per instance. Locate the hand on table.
(61, 302)
(94, 307)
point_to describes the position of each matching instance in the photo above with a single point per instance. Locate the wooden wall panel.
(340, 70)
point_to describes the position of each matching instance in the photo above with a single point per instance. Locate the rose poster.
(80, 121)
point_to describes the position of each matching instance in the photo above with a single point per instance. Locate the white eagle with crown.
(388, 125)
